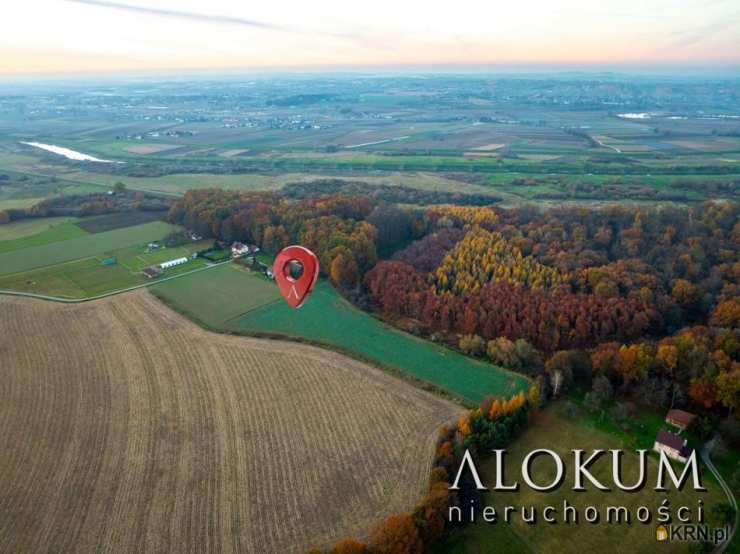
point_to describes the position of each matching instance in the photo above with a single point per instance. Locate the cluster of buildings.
(238, 250)
(673, 444)
(247, 252)
(156, 270)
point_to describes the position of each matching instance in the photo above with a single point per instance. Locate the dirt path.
(705, 455)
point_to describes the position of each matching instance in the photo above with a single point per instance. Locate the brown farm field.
(134, 430)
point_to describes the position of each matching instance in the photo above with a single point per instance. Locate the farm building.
(674, 446)
(679, 418)
(151, 272)
(173, 263)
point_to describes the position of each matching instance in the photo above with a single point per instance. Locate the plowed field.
(126, 428)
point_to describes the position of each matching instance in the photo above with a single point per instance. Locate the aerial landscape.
(511, 269)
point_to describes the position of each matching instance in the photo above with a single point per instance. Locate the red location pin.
(296, 270)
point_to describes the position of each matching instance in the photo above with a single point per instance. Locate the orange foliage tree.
(349, 546)
(727, 314)
(396, 535)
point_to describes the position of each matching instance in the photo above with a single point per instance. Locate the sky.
(92, 36)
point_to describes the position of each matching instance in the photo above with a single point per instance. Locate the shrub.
(396, 535)
(349, 546)
(472, 345)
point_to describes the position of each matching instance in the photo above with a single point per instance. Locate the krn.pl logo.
(661, 533)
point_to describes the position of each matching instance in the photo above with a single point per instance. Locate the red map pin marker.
(296, 270)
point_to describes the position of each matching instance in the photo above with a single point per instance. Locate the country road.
(705, 452)
(111, 293)
(600, 143)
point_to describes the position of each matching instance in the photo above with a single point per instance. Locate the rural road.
(705, 452)
(617, 150)
(111, 293)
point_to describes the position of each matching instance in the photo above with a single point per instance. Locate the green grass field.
(89, 277)
(19, 203)
(28, 227)
(328, 318)
(77, 279)
(135, 258)
(81, 247)
(218, 295)
(232, 299)
(61, 231)
(552, 429)
(637, 432)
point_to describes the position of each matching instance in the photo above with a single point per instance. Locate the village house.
(239, 249)
(679, 418)
(674, 446)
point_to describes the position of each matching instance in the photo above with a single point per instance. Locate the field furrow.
(134, 430)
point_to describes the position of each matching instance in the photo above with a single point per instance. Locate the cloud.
(691, 37)
(191, 16)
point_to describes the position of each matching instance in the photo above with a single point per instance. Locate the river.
(67, 153)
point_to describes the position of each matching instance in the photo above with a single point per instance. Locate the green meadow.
(218, 295)
(230, 298)
(35, 232)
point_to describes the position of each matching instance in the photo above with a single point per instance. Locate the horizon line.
(430, 68)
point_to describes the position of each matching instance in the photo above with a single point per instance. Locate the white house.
(239, 249)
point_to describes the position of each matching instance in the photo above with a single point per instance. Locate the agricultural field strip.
(197, 449)
(57, 233)
(242, 303)
(222, 294)
(110, 293)
(80, 247)
(31, 227)
(371, 339)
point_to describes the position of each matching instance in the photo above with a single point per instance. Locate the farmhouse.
(674, 446)
(239, 249)
(173, 263)
(679, 418)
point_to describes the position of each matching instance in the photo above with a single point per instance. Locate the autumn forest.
(647, 298)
